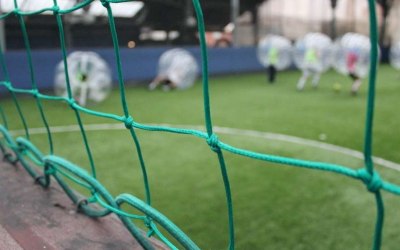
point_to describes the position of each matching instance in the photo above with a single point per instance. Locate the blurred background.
(146, 29)
(173, 22)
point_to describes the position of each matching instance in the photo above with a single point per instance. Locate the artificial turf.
(275, 206)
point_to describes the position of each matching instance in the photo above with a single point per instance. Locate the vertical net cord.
(371, 88)
(70, 97)
(208, 120)
(3, 117)
(32, 77)
(19, 110)
(7, 78)
(3, 63)
(128, 118)
(369, 123)
(114, 37)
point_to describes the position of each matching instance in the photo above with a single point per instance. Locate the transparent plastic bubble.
(89, 78)
(313, 52)
(395, 55)
(352, 54)
(179, 66)
(275, 50)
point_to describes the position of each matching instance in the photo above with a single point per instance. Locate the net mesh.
(22, 149)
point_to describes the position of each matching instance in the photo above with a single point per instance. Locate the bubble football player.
(351, 62)
(89, 78)
(311, 64)
(352, 58)
(177, 69)
(273, 56)
(313, 55)
(274, 53)
(394, 55)
(168, 82)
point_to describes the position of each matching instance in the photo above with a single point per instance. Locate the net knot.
(35, 93)
(128, 121)
(56, 9)
(81, 202)
(148, 223)
(105, 3)
(213, 142)
(72, 103)
(38, 179)
(7, 85)
(50, 171)
(373, 182)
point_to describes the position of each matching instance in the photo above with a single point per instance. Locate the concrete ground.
(35, 218)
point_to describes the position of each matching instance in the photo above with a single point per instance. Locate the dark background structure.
(163, 15)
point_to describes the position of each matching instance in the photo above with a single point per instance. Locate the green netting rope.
(101, 203)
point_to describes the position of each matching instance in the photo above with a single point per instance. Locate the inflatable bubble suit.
(313, 52)
(275, 50)
(179, 66)
(89, 78)
(352, 54)
(395, 55)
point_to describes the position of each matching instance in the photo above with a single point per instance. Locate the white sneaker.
(152, 85)
(166, 88)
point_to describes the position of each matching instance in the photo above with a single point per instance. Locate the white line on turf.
(223, 130)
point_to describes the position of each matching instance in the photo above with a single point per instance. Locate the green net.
(21, 149)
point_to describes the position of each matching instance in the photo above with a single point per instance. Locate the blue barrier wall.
(139, 64)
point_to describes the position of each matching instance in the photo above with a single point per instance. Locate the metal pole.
(353, 17)
(189, 23)
(333, 23)
(333, 28)
(256, 25)
(235, 10)
(2, 32)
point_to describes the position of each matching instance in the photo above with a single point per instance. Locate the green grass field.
(275, 206)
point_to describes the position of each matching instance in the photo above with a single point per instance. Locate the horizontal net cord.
(338, 169)
(54, 8)
(266, 157)
(220, 130)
